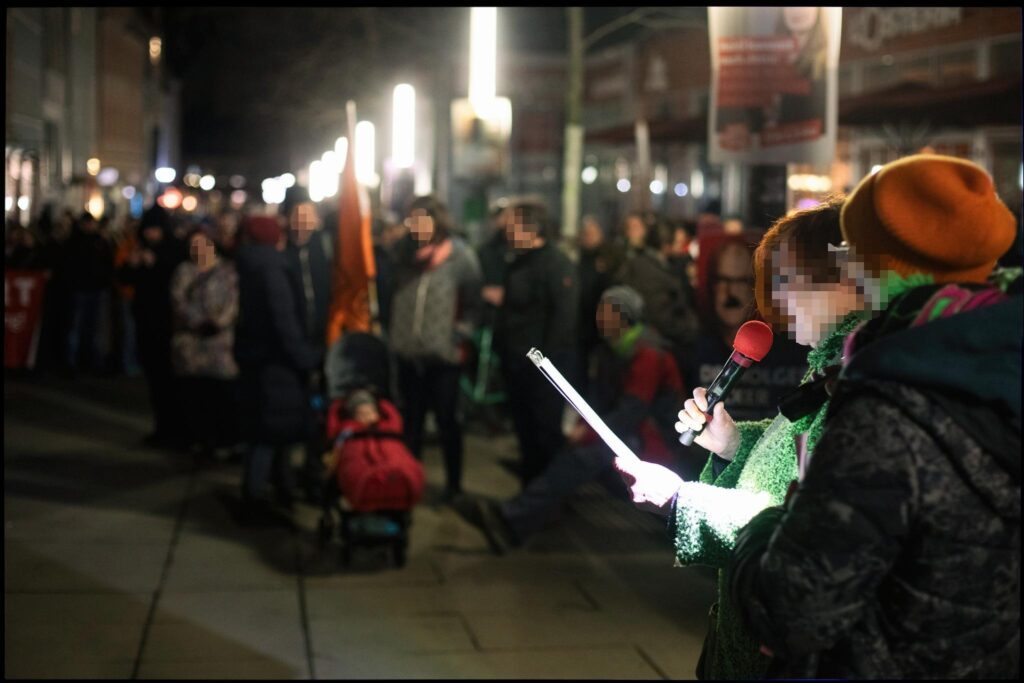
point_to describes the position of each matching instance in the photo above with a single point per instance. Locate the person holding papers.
(800, 288)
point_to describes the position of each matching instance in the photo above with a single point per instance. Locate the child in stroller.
(372, 480)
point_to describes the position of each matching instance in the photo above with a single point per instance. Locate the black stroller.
(359, 360)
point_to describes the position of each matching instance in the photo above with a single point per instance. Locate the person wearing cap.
(799, 290)
(898, 556)
(275, 361)
(638, 392)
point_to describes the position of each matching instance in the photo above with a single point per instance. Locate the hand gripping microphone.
(752, 343)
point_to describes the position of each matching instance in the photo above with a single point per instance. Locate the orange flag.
(354, 265)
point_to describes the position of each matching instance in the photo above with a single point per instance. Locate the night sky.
(264, 88)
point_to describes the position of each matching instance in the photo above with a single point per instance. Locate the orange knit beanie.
(929, 214)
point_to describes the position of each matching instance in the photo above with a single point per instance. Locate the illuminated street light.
(165, 174)
(189, 203)
(316, 192)
(8, 203)
(697, 184)
(287, 180)
(623, 185)
(365, 153)
(93, 166)
(404, 121)
(657, 187)
(155, 50)
(107, 177)
(171, 199)
(207, 182)
(589, 175)
(483, 35)
(330, 161)
(681, 190)
(24, 202)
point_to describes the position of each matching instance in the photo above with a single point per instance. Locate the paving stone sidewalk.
(125, 562)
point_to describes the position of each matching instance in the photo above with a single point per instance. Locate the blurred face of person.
(733, 285)
(366, 414)
(421, 226)
(799, 19)
(636, 232)
(520, 233)
(811, 309)
(152, 234)
(591, 236)
(680, 240)
(610, 321)
(304, 221)
(201, 251)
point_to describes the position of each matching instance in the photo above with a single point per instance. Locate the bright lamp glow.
(876, 168)
(483, 35)
(657, 187)
(189, 203)
(404, 122)
(107, 177)
(287, 180)
(697, 183)
(273, 191)
(165, 174)
(589, 175)
(24, 202)
(681, 190)
(92, 166)
(207, 182)
(330, 161)
(316, 192)
(128, 192)
(365, 160)
(171, 199)
(623, 185)
(8, 203)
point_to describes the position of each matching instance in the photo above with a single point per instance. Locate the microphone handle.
(717, 390)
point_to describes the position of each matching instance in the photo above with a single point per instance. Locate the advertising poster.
(23, 314)
(774, 87)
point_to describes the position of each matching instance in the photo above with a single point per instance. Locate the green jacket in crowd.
(709, 514)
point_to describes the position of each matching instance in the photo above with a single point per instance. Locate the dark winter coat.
(899, 556)
(272, 352)
(91, 266)
(312, 265)
(668, 303)
(540, 305)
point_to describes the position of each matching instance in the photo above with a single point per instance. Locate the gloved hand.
(652, 487)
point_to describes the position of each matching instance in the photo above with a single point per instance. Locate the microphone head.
(754, 340)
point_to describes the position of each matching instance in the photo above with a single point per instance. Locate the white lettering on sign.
(873, 26)
(24, 285)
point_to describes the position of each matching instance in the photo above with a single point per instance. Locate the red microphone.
(752, 343)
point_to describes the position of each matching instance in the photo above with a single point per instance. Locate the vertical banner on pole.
(23, 313)
(774, 84)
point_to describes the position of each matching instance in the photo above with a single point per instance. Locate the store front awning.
(990, 103)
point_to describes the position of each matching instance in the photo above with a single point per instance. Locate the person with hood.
(276, 363)
(435, 307)
(753, 462)
(899, 554)
(149, 270)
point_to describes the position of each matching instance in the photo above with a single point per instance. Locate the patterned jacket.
(899, 555)
(205, 310)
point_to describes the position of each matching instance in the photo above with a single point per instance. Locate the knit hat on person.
(627, 301)
(929, 214)
(263, 229)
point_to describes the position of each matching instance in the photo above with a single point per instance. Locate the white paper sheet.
(580, 405)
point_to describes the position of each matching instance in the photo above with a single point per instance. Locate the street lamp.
(165, 174)
(404, 122)
(207, 182)
(483, 27)
(365, 154)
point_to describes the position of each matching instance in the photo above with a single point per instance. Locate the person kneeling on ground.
(639, 391)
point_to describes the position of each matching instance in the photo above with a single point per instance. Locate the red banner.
(23, 314)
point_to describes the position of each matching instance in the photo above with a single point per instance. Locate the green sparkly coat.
(709, 514)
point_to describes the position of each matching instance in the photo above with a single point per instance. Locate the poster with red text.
(774, 84)
(23, 313)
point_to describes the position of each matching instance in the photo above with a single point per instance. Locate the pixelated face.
(810, 309)
(304, 221)
(799, 19)
(200, 248)
(519, 233)
(636, 231)
(420, 225)
(366, 414)
(733, 285)
(610, 321)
